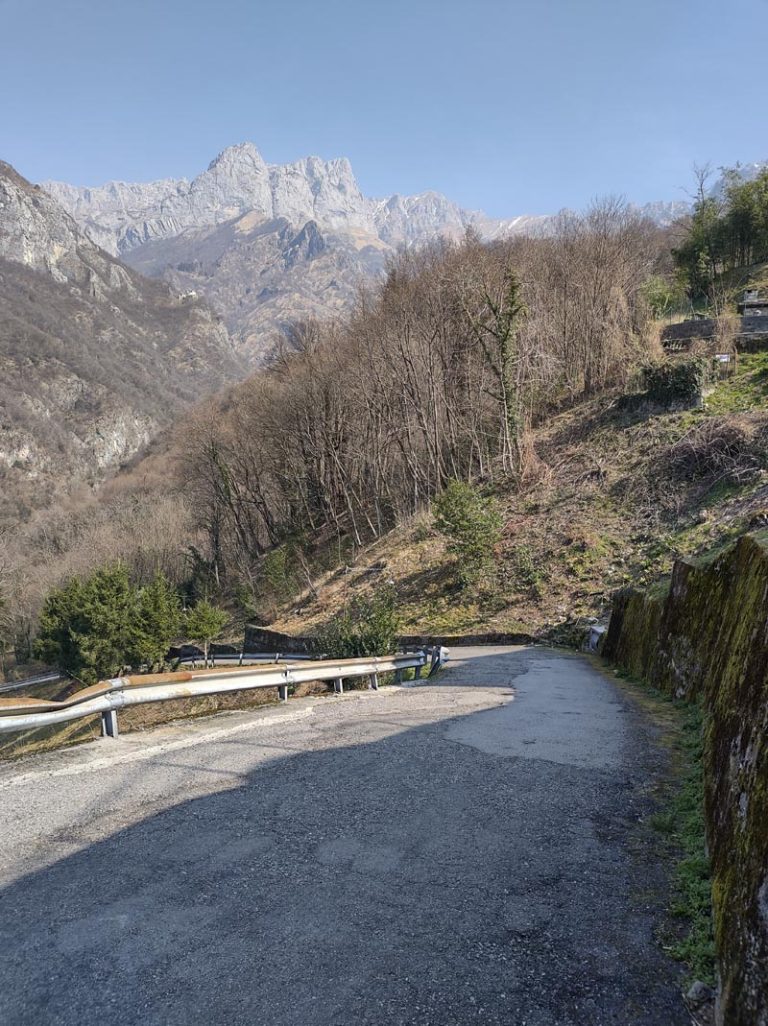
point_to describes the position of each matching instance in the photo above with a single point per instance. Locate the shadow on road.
(408, 879)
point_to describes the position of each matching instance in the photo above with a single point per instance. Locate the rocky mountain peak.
(121, 216)
(244, 153)
(35, 231)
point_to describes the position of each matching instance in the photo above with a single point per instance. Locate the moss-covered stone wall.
(706, 637)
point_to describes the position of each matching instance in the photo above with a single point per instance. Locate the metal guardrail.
(215, 659)
(28, 682)
(244, 658)
(107, 697)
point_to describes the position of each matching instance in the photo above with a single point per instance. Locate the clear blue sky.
(512, 106)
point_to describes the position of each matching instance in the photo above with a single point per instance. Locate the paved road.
(461, 852)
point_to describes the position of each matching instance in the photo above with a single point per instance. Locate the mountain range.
(120, 216)
(269, 244)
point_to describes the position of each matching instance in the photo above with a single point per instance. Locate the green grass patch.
(692, 884)
(746, 389)
(727, 536)
(679, 826)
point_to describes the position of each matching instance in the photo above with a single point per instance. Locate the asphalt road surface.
(467, 851)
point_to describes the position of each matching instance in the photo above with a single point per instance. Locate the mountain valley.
(96, 358)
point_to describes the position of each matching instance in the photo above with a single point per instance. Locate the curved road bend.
(461, 852)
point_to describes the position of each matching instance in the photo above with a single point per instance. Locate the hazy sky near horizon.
(512, 106)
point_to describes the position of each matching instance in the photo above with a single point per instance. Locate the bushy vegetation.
(729, 449)
(368, 627)
(93, 627)
(663, 294)
(203, 623)
(677, 381)
(472, 524)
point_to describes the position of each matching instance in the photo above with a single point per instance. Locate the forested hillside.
(361, 422)
(726, 234)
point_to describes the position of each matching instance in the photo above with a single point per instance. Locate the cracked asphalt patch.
(465, 851)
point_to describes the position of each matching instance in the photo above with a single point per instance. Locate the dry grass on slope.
(621, 496)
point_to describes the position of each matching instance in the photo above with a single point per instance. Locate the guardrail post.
(399, 676)
(109, 723)
(338, 686)
(282, 692)
(373, 681)
(439, 655)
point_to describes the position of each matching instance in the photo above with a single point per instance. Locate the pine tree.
(472, 524)
(159, 620)
(90, 627)
(204, 623)
(94, 627)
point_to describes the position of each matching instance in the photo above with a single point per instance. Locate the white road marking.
(139, 754)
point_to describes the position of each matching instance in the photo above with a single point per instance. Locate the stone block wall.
(706, 638)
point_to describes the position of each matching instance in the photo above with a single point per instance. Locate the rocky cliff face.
(264, 274)
(122, 216)
(95, 357)
(36, 231)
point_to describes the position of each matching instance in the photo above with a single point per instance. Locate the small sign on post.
(726, 363)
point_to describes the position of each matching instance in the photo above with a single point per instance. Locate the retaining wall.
(706, 638)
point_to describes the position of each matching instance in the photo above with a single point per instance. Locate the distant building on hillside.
(754, 303)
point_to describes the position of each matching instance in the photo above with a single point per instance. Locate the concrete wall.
(262, 639)
(706, 639)
(687, 331)
(753, 331)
